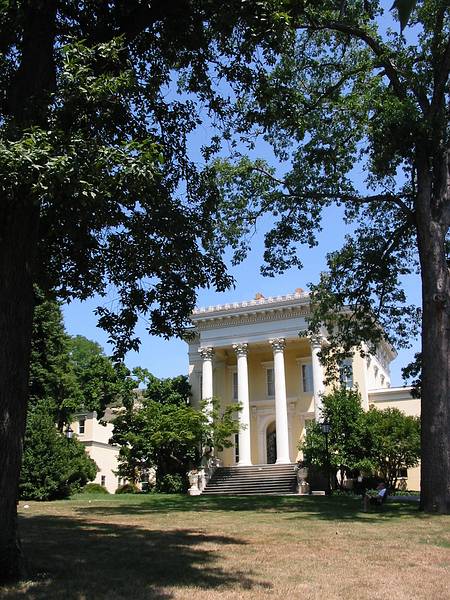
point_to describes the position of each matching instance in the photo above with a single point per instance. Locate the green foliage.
(404, 9)
(334, 93)
(72, 373)
(52, 376)
(53, 467)
(164, 431)
(395, 441)
(348, 439)
(128, 488)
(376, 442)
(172, 484)
(94, 488)
(174, 390)
(413, 373)
(97, 138)
(101, 381)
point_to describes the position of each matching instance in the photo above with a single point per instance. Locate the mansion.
(251, 352)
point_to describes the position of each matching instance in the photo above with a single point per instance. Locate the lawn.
(177, 547)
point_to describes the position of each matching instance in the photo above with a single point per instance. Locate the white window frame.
(344, 378)
(303, 362)
(269, 365)
(81, 426)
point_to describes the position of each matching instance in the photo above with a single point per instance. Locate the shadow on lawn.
(319, 507)
(74, 559)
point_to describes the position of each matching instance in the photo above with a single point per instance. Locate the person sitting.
(377, 499)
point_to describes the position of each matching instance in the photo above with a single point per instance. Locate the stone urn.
(302, 484)
(193, 483)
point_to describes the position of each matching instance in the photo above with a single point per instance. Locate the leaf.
(404, 9)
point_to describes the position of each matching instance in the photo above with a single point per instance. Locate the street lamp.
(325, 427)
(69, 432)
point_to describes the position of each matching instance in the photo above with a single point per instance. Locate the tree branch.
(441, 81)
(380, 51)
(392, 198)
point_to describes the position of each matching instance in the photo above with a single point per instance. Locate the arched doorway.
(271, 443)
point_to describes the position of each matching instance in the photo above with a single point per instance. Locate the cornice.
(259, 315)
(261, 304)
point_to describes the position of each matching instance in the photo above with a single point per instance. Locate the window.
(235, 385)
(103, 480)
(307, 377)
(382, 380)
(81, 424)
(402, 473)
(375, 372)
(270, 382)
(346, 373)
(236, 448)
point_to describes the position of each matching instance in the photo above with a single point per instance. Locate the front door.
(271, 440)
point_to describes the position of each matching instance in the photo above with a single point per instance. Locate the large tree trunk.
(27, 99)
(432, 227)
(18, 234)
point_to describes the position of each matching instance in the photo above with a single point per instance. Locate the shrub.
(94, 488)
(53, 467)
(172, 484)
(128, 488)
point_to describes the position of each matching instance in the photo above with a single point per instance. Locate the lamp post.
(325, 426)
(69, 432)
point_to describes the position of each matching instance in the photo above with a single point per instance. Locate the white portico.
(251, 352)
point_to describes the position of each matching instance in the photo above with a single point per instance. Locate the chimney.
(259, 296)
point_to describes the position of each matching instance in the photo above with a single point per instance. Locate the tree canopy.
(373, 442)
(356, 111)
(162, 430)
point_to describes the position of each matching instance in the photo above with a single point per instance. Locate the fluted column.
(207, 355)
(244, 415)
(281, 416)
(318, 377)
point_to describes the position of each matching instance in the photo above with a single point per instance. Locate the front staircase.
(257, 479)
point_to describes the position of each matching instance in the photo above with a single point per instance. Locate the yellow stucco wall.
(96, 441)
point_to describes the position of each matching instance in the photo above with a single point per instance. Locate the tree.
(348, 440)
(52, 376)
(335, 92)
(379, 442)
(101, 381)
(97, 187)
(53, 467)
(164, 431)
(395, 442)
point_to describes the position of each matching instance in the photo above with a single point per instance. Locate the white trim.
(300, 362)
(396, 394)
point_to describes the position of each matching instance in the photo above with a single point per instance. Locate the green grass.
(209, 548)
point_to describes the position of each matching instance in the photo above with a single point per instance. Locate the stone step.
(254, 479)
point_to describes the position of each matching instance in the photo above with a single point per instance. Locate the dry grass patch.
(176, 547)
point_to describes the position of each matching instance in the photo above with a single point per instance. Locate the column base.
(283, 461)
(244, 463)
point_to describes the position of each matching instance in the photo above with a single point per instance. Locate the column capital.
(241, 349)
(207, 352)
(278, 344)
(316, 340)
